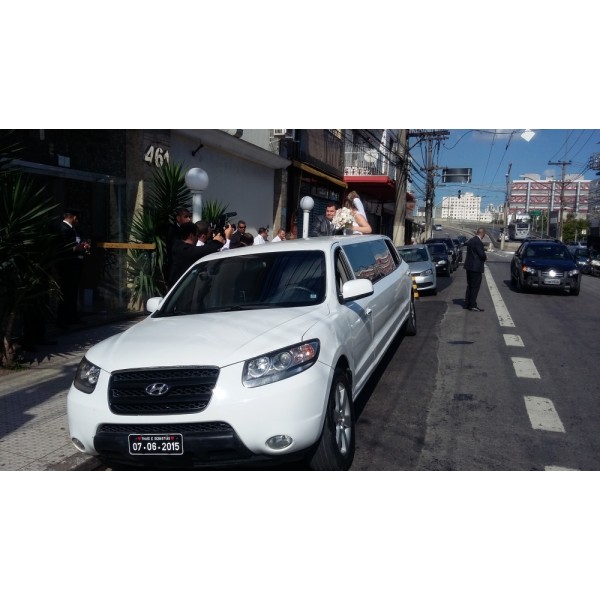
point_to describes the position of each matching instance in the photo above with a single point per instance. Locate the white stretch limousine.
(256, 353)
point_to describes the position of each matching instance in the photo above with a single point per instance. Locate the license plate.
(552, 281)
(164, 443)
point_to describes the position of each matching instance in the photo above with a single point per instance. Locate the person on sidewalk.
(474, 266)
(186, 252)
(280, 236)
(69, 268)
(262, 236)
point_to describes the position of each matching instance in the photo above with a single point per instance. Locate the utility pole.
(564, 164)
(430, 169)
(506, 201)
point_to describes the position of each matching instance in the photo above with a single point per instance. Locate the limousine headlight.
(86, 377)
(280, 364)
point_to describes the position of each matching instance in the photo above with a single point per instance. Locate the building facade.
(259, 174)
(531, 192)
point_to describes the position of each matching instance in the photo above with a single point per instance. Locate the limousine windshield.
(249, 282)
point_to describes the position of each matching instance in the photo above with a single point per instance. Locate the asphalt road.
(513, 388)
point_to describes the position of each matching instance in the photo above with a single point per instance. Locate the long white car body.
(256, 353)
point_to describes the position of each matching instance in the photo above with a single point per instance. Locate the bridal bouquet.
(343, 218)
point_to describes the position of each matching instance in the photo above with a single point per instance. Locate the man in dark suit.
(69, 268)
(474, 265)
(323, 225)
(185, 251)
(182, 216)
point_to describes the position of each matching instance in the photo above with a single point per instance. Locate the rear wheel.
(335, 449)
(410, 327)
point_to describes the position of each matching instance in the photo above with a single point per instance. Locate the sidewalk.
(34, 434)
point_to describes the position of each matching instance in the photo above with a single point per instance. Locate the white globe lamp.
(197, 180)
(306, 204)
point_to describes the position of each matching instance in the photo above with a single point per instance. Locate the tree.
(573, 227)
(167, 193)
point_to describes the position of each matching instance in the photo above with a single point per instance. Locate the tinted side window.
(371, 260)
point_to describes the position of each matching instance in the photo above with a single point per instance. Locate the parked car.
(581, 256)
(544, 264)
(594, 262)
(421, 266)
(452, 249)
(437, 227)
(458, 246)
(440, 258)
(255, 354)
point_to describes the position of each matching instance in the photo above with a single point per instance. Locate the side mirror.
(153, 304)
(356, 289)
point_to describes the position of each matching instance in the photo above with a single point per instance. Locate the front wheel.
(520, 286)
(335, 449)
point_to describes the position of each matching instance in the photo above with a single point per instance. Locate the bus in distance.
(519, 230)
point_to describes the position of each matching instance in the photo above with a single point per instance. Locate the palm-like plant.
(28, 249)
(167, 193)
(213, 210)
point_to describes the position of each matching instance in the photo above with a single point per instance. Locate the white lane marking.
(542, 414)
(513, 340)
(557, 468)
(524, 367)
(501, 311)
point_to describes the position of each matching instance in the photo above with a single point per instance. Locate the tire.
(410, 327)
(335, 448)
(519, 285)
(575, 291)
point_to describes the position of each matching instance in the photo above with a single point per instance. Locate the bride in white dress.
(360, 224)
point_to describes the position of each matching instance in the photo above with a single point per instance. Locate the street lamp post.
(197, 180)
(306, 204)
(503, 234)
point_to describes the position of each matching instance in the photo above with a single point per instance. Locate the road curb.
(76, 462)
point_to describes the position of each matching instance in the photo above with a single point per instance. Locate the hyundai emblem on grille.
(157, 389)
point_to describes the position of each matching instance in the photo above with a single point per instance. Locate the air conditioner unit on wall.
(288, 134)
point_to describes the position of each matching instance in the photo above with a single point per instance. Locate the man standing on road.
(474, 265)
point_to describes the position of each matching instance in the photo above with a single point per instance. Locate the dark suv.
(452, 250)
(544, 264)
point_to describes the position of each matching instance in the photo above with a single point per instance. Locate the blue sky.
(489, 152)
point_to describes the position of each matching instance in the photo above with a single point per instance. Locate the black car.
(452, 250)
(440, 258)
(581, 256)
(459, 246)
(544, 264)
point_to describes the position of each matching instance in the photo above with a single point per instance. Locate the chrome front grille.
(556, 275)
(161, 391)
(210, 427)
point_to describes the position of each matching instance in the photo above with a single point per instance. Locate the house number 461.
(156, 156)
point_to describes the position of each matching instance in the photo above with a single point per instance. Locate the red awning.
(377, 187)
